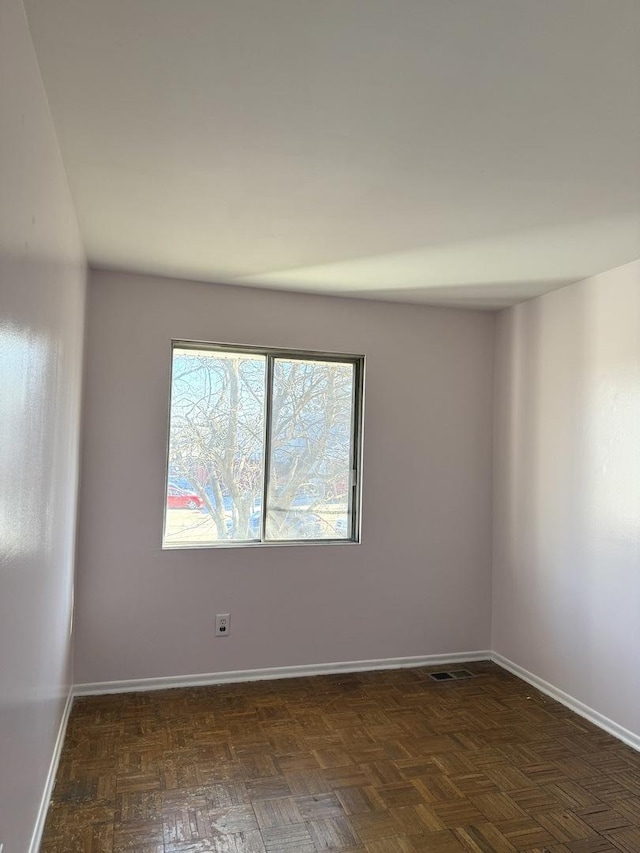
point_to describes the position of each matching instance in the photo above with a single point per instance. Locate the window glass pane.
(311, 452)
(216, 447)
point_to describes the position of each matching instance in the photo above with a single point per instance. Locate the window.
(264, 447)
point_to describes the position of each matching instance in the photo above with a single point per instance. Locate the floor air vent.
(451, 675)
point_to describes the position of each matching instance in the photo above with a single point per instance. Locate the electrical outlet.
(222, 624)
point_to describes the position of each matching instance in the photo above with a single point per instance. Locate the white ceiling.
(458, 151)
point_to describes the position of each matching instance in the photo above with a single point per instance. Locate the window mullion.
(268, 406)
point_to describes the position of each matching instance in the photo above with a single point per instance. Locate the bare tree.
(218, 430)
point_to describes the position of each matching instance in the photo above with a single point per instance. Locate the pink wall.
(420, 582)
(566, 585)
(42, 276)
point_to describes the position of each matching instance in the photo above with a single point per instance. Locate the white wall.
(566, 584)
(42, 277)
(420, 581)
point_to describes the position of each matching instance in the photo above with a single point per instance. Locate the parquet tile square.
(141, 836)
(626, 840)
(356, 799)
(294, 838)
(484, 838)
(565, 826)
(319, 806)
(496, 806)
(392, 844)
(534, 800)
(280, 812)
(591, 845)
(417, 820)
(234, 819)
(525, 833)
(458, 813)
(438, 788)
(383, 773)
(334, 833)
(380, 762)
(301, 783)
(603, 818)
(372, 825)
(437, 842)
(630, 807)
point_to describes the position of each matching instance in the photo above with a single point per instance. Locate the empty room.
(320, 426)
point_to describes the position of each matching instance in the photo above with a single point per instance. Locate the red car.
(181, 499)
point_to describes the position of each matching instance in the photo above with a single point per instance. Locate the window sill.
(275, 544)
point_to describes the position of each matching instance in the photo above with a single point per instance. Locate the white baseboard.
(38, 829)
(135, 685)
(570, 702)
(305, 670)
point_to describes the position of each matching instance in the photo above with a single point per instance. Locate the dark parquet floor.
(383, 762)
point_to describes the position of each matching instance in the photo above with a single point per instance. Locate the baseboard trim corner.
(595, 717)
(41, 818)
(269, 673)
